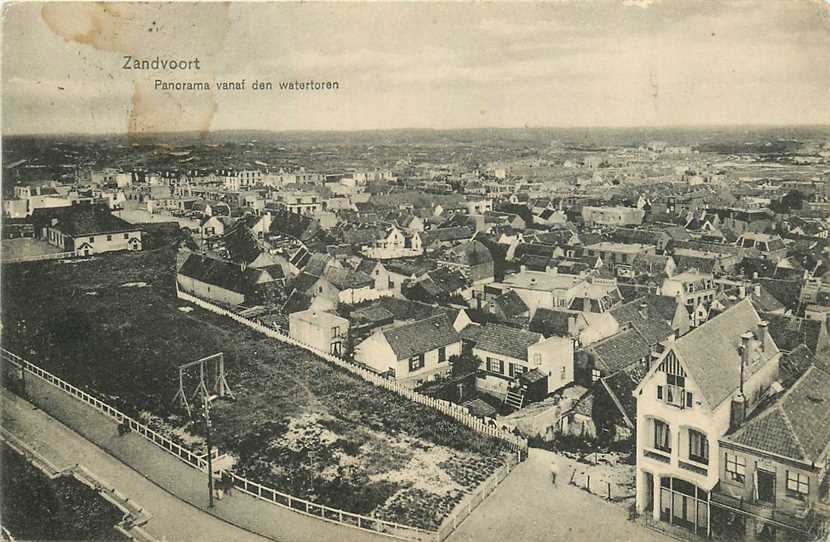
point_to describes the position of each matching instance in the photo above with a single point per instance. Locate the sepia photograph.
(375, 271)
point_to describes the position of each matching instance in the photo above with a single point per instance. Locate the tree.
(464, 364)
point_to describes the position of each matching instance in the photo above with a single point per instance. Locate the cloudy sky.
(620, 63)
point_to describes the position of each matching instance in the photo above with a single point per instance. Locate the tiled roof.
(347, 279)
(422, 336)
(507, 341)
(303, 282)
(619, 351)
(716, 369)
(651, 324)
(794, 364)
(797, 425)
(551, 322)
(404, 309)
(510, 304)
(469, 253)
(90, 220)
(219, 273)
(791, 331)
(620, 386)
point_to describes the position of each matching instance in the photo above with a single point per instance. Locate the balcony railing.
(801, 520)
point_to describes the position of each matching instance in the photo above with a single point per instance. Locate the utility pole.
(209, 458)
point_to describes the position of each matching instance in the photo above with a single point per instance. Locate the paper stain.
(123, 28)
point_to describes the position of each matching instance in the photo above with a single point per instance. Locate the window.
(442, 354)
(126, 236)
(416, 362)
(798, 485)
(698, 447)
(662, 440)
(689, 399)
(537, 359)
(495, 365)
(335, 331)
(91, 239)
(109, 237)
(563, 375)
(595, 375)
(516, 370)
(735, 468)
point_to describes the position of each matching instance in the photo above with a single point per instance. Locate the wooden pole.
(209, 459)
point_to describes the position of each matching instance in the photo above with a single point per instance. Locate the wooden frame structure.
(216, 367)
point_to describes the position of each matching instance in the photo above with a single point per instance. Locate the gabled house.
(90, 229)
(508, 353)
(411, 353)
(338, 285)
(701, 386)
(472, 259)
(394, 243)
(222, 282)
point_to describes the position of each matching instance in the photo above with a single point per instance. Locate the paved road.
(172, 518)
(527, 507)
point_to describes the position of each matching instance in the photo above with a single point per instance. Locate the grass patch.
(299, 424)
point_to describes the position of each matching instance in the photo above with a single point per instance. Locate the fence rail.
(457, 412)
(472, 500)
(40, 257)
(296, 504)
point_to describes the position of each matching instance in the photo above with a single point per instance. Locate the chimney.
(745, 339)
(762, 333)
(738, 413)
(756, 288)
(644, 310)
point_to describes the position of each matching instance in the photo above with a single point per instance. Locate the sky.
(417, 65)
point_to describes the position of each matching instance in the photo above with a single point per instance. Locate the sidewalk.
(526, 506)
(169, 476)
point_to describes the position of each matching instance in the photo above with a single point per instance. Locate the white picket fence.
(516, 442)
(40, 257)
(302, 506)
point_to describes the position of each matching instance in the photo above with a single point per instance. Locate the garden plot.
(299, 424)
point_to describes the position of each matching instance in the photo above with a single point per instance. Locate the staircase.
(515, 398)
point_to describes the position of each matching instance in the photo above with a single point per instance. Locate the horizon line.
(421, 129)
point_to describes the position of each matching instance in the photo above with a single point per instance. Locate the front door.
(766, 486)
